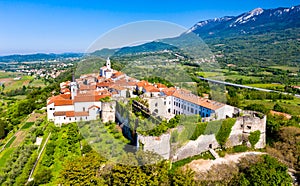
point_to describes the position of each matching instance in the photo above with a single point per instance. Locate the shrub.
(225, 131)
(240, 148)
(254, 137)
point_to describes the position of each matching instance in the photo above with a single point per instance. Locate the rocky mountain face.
(254, 22)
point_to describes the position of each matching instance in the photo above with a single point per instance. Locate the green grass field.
(210, 74)
(27, 125)
(15, 84)
(292, 69)
(5, 154)
(268, 86)
(37, 83)
(293, 106)
(236, 77)
(9, 74)
(7, 145)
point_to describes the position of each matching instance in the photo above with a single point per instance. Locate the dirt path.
(205, 165)
(20, 135)
(37, 160)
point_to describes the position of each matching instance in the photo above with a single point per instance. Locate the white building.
(106, 71)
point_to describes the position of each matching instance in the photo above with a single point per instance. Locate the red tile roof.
(117, 74)
(116, 87)
(151, 88)
(192, 98)
(59, 113)
(169, 91)
(87, 87)
(73, 114)
(159, 85)
(90, 98)
(142, 83)
(59, 99)
(94, 106)
(63, 102)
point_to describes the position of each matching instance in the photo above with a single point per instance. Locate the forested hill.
(259, 37)
(38, 57)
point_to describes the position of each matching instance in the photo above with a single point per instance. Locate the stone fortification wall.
(239, 134)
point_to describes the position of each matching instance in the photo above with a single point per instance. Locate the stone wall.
(159, 145)
(239, 134)
(192, 148)
(108, 111)
(244, 126)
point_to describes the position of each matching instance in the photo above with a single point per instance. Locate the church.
(107, 71)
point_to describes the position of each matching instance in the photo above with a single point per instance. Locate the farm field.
(271, 86)
(293, 106)
(236, 77)
(292, 69)
(37, 83)
(4, 74)
(12, 84)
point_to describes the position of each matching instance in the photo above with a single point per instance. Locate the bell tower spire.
(108, 63)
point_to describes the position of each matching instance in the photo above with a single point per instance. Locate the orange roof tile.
(73, 114)
(90, 98)
(151, 88)
(117, 87)
(142, 83)
(169, 91)
(87, 87)
(192, 98)
(159, 85)
(59, 113)
(117, 74)
(94, 106)
(63, 102)
(58, 97)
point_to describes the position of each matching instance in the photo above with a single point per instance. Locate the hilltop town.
(93, 97)
(80, 100)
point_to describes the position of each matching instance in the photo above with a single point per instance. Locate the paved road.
(244, 86)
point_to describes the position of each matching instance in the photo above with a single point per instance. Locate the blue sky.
(31, 26)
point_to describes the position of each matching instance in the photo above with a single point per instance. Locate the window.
(156, 104)
(165, 103)
(83, 109)
(188, 109)
(70, 119)
(192, 110)
(64, 117)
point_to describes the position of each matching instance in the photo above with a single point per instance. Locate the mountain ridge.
(251, 22)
